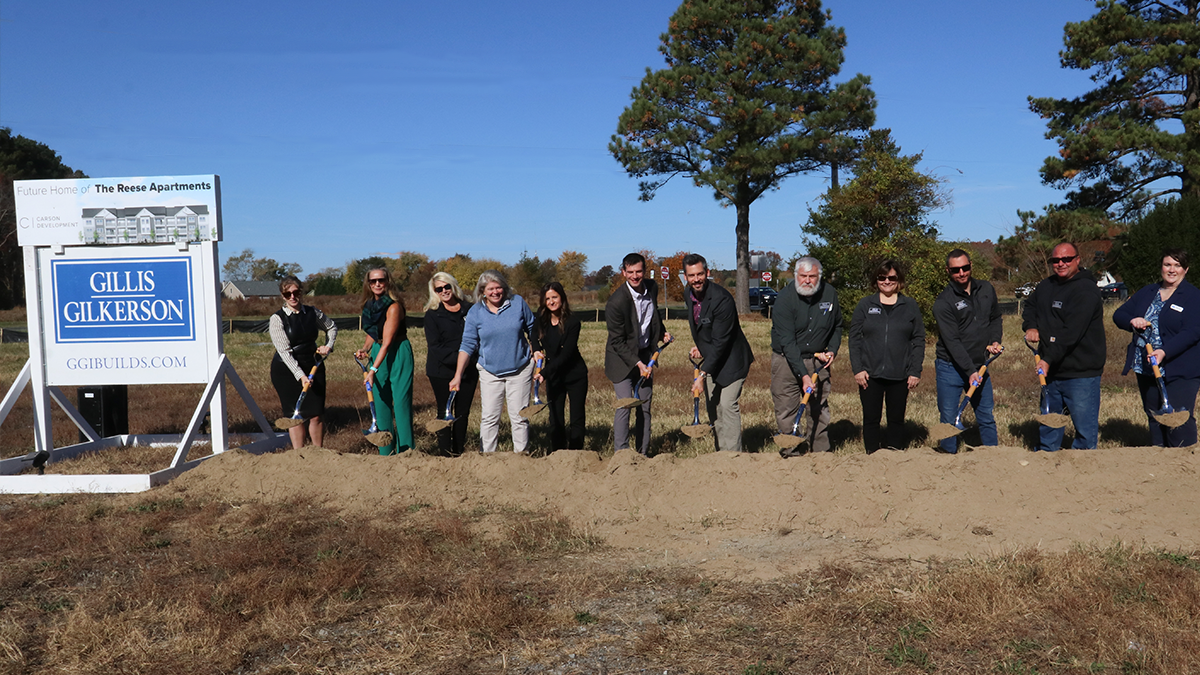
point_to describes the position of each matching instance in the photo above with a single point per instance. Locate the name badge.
(1177, 308)
(874, 310)
(961, 304)
(1057, 304)
(1052, 339)
(825, 307)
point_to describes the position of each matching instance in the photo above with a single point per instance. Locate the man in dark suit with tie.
(719, 340)
(634, 330)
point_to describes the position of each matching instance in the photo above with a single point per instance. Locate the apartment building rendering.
(147, 224)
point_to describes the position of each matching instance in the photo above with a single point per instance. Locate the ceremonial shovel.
(1046, 418)
(1166, 416)
(634, 402)
(296, 420)
(434, 426)
(789, 442)
(941, 431)
(374, 435)
(696, 429)
(538, 405)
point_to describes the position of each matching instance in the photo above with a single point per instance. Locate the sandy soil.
(760, 516)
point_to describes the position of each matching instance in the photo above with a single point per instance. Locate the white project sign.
(117, 211)
(124, 315)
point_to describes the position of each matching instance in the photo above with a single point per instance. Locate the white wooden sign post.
(122, 287)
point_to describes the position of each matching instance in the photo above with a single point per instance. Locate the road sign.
(666, 272)
(766, 277)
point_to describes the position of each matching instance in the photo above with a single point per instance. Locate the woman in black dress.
(563, 368)
(294, 330)
(445, 313)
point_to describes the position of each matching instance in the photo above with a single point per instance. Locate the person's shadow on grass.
(1125, 433)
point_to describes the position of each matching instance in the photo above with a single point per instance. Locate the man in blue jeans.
(969, 330)
(1065, 316)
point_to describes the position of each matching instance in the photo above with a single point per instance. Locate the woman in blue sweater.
(1166, 316)
(498, 330)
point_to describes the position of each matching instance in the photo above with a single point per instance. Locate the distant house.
(240, 290)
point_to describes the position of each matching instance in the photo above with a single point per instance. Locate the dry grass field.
(209, 576)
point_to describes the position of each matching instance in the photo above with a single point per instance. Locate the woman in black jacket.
(887, 351)
(445, 312)
(563, 368)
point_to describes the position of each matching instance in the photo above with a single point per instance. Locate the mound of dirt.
(761, 516)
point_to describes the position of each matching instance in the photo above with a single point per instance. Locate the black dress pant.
(562, 436)
(452, 440)
(895, 393)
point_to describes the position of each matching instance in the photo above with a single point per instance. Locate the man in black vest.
(634, 330)
(717, 334)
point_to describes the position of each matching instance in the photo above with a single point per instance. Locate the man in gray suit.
(634, 330)
(719, 340)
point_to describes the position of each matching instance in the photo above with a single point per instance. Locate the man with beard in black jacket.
(806, 330)
(1065, 316)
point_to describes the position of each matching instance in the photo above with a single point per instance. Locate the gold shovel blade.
(787, 440)
(285, 423)
(941, 431)
(532, 409)
(1172, 419)
(380, 438)
(1053, 420)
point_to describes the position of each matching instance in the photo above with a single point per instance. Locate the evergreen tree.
(1136, 136)
(1170, 225)
(746, 100)
(881, 213)
(20, 159)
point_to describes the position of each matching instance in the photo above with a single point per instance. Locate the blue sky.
(344, 129)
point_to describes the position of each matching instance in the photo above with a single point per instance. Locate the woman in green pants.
(391, 354)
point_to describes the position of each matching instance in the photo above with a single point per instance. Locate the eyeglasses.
(960, 268)
(376, 281)
(891, 277)
(1065, 259)
(292, 294)
(441, 289)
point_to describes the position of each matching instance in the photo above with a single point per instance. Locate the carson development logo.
(124, 300)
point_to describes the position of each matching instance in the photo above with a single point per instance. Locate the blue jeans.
(1081, 396)
(952, 383)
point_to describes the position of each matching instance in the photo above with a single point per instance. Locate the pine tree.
(1136, 136)
(881, 213)
(746, 100)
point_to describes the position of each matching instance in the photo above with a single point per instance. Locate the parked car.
(1115, 291)
(761, 297)
(1025, 290)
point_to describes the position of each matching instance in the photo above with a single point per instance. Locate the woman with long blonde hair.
(445, 314)
(391, 354)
